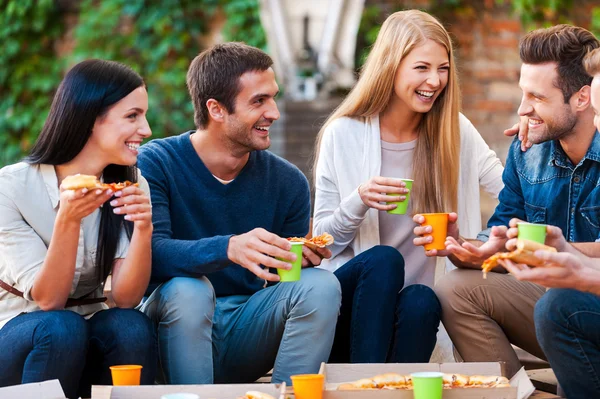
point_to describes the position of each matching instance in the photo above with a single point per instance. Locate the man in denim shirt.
(567, 317)
(554, 182)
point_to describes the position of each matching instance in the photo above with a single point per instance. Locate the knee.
(454, 285)
(420, 303)
(186, 298)
(384, 263)
(130, 330)
(319, 290)
(552, 311)
(64, 330)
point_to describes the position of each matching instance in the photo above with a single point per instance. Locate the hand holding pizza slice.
(524, 253)
(315, 248)
(76, 182)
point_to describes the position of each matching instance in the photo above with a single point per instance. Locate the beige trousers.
(485, 316)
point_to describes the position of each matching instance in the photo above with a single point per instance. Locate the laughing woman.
(58, 246)
(401, 120)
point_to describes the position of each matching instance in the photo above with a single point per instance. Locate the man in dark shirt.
(223, 207)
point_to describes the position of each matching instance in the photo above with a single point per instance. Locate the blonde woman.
(401, 120)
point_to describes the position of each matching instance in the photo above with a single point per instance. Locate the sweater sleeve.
(339, 217)
(488, 165)
(173, 257)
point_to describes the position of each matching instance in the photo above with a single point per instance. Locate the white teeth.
(263, 128)
(132, 146)
(427, 94)
(535, 122)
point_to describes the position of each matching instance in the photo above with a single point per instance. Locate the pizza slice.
(79, 181)
(524, 253)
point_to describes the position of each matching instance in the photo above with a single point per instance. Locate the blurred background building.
(318, 47)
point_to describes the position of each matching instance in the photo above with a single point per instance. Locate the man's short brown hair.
(215, 73)
(591, 62)
(565, 45)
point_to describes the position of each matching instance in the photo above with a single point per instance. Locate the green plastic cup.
(402, 206)
(294, 273)
(427, 385)
(532, 231)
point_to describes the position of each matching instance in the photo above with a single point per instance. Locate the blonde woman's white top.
(29, 199)
(350, 155)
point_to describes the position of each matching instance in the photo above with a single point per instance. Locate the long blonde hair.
(436, 157)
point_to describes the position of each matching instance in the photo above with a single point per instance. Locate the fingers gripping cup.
(427, 385)
(129, 374)
(439, 226)
(532, 232)
(402, 207)
(294, 273)
(308, 386)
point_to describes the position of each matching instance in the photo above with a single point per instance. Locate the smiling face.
(543, 103)
(421, 77)
(247, 128)
(117, 135)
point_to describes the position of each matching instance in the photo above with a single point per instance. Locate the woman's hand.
(77, 204)
(133, 202)
(424, 237)
(374, 191)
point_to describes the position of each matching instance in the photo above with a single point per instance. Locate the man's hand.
(375, 191)
(561, 270)
(469, 253)
(554, 237)
(312, 258)
(422, 238)
(259, 247)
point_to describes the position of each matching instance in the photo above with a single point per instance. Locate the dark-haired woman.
(58, 246)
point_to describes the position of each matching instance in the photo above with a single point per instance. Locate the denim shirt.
(542, 185)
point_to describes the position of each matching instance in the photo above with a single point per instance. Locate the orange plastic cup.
(308, 386)
(128, 374)
(439, 226)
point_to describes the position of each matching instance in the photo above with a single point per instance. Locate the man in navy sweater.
(222, 208)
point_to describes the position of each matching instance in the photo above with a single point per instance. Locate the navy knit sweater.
(194, 215)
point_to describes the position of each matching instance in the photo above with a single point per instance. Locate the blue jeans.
(377, 313)
(567, 325)
(61, 344)
(203, 340)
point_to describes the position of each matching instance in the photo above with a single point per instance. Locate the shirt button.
(576, 179)
(572, 210)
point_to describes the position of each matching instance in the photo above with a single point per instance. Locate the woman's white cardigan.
(350, 155)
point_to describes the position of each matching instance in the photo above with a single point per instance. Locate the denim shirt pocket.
(535, 214)
(591, 214)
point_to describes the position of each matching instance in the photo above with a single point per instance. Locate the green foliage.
(243, 23)
(541, 13)
(29, 71)
(158, 39)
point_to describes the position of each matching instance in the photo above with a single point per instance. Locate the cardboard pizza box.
(36, 390)
(335, 374)
(208, 391)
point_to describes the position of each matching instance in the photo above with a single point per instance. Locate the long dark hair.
(86, 93)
